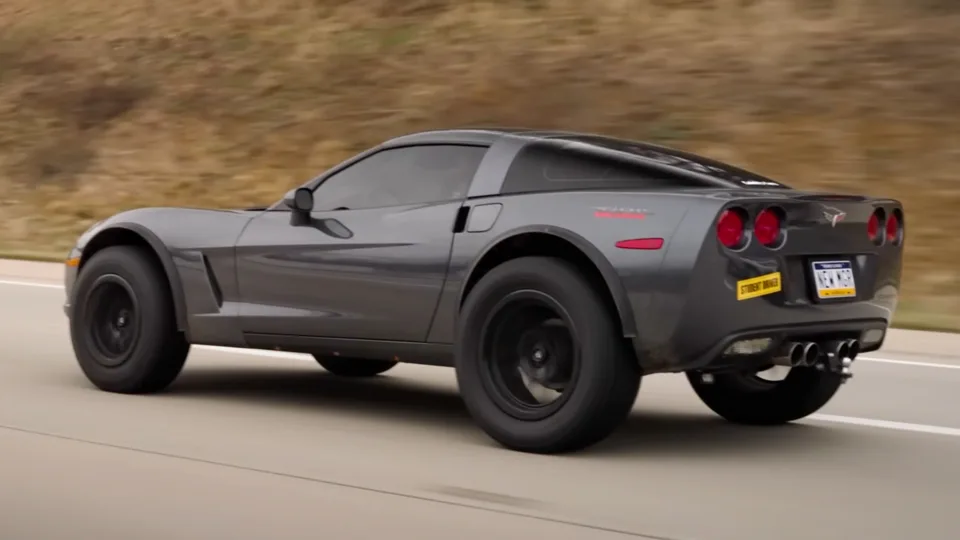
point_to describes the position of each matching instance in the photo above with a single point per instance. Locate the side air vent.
(460, 223)
(212, 279)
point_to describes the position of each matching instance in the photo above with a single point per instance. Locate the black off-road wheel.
(751, 399)
(123, 325)
(541, 364)
(354, 367)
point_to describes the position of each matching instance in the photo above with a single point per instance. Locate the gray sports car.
(552, 270)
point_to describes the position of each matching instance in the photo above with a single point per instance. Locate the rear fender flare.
(610, 277)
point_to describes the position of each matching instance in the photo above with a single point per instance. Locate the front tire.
(745, 398)
(354, 367)
(537, 319)
(123, 327)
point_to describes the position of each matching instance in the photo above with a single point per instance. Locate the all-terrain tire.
(737, 399)
(158, 350)
(605, 388)
(354, 367)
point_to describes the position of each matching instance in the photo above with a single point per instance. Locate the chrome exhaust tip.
(811, 354)
(842, 350)
(853, 349)
(789, 354)
(837, 350)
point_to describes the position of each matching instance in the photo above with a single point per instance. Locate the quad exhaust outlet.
(837, 356)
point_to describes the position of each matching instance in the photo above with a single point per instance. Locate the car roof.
(477, 135)
(662, 156)
(448, 136)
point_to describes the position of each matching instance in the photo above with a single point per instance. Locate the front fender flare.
(159, 249)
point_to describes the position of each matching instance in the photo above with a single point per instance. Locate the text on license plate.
(834, 279)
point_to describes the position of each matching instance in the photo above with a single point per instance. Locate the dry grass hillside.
(112, 104)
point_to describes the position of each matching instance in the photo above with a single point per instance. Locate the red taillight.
(893, 228)
(767, 227)
(730, 229)
(873, 227)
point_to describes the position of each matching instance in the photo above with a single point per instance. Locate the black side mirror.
(299, 200)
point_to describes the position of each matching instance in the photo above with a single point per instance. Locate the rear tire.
(512, 304)
(123, 326)
(354, 367)
(743, 398)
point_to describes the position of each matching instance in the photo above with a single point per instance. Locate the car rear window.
(681, 160)
(549, 166)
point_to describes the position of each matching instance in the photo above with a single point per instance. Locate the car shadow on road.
(648, 431)
(314, 389)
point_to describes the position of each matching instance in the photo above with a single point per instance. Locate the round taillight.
(893, 228)
(730, 229)
(873, 227)
(766, 228)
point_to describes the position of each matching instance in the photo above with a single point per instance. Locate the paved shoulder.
(30, 270)
(916, 343)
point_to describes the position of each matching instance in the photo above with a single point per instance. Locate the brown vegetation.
(111, 104)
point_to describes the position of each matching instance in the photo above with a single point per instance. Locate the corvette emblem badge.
(834, 215)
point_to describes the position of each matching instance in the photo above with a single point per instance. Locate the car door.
(373, 260)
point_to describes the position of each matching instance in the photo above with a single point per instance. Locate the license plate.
(834, 279)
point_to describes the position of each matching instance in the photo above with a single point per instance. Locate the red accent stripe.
(619, 215)
(641, 243)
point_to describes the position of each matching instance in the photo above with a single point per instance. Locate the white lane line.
(886, 424)
(281, 354)
(30, 284)
(300, 356)
(256, 352)
(284, 354)
(828, 418)
(908, 363)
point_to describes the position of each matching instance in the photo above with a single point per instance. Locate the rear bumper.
(702, 341)
(693, 329)
(706, 347)
(717, 357)
(695, 314)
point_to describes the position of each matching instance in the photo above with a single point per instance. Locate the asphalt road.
(270, 447)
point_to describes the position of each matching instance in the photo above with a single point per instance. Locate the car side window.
(402, 176)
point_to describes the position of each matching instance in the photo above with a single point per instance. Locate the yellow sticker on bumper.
(758, 286)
